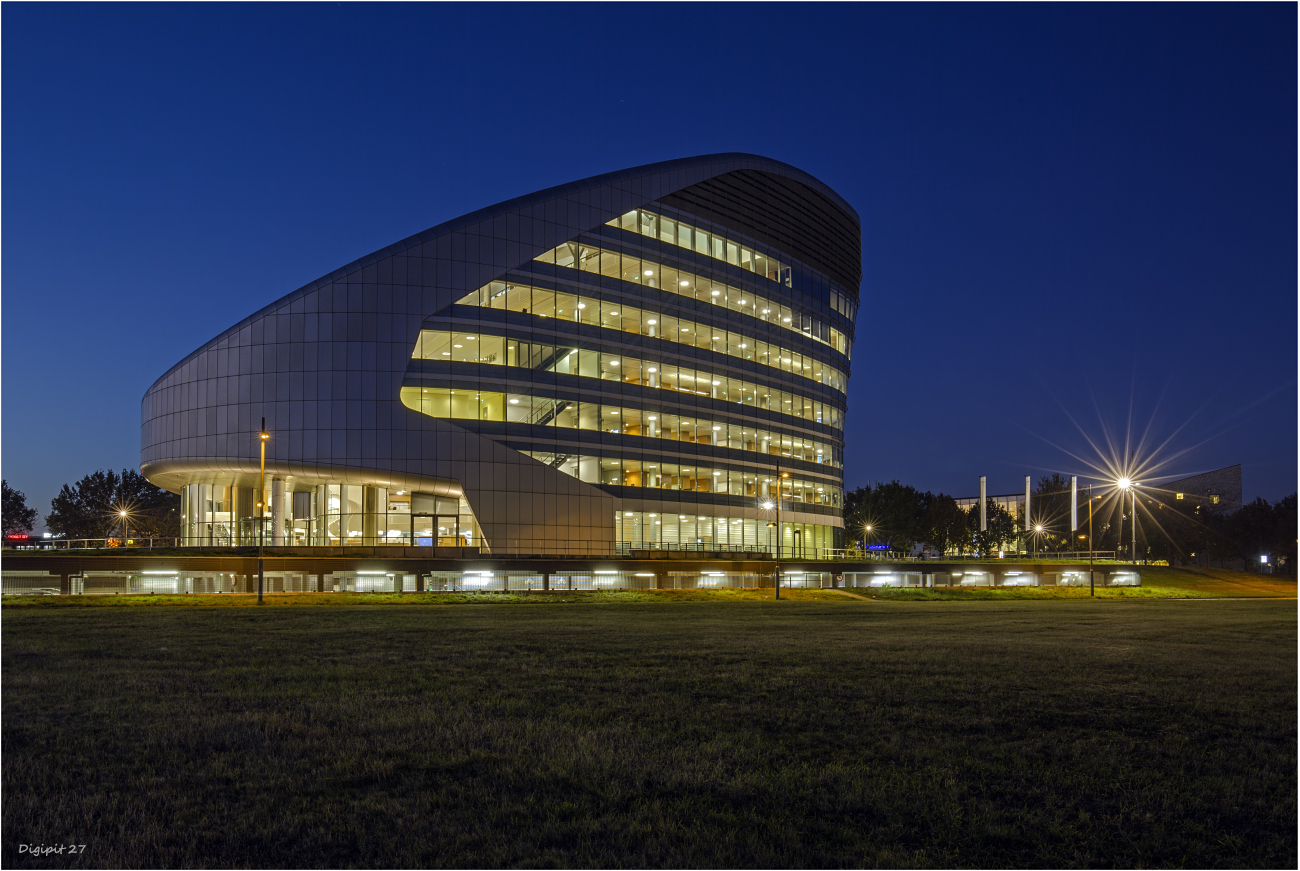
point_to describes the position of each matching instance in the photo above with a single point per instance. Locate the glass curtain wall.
(616, 314)
(327, 515)
(639, 529)
(648, 272)
(496, 350)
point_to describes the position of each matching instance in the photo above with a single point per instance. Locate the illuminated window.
(1178, 495)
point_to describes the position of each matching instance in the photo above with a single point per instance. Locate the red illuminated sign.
(17, 536)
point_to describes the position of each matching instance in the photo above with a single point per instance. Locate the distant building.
(1220, 490)
(1013, 503)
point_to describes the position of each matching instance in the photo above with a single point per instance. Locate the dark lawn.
(833, 733)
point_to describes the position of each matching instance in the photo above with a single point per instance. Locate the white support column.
(1074, 509)
(277, 513)
(984, 504)
(1026, 507)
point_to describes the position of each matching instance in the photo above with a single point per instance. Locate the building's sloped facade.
(626, 361)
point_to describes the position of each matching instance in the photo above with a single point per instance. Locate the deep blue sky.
(1061, 205)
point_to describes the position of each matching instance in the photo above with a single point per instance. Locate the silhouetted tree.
(17, 517)
(945, 523)
(1050, 507)
(90, 508)
(1000, 529)
(895, 511)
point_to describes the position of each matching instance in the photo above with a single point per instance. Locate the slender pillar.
(1074, 511)
(370, 515)
(1027, 493)
(277, 512)
(984, 504)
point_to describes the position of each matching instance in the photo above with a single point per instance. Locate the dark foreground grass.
(712, 734)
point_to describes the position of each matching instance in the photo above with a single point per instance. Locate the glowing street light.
(1130, 486)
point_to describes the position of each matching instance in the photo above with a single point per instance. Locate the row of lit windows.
(504, 351)
(593, 416)
(644, 528)
(328, 514)
(719, 247)
(660, 475)
(652, 273)
(544, 302)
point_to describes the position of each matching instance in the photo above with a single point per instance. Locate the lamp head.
(1124, 483)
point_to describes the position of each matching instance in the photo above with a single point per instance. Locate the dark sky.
(1070, 212)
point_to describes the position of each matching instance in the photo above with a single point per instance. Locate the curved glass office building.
(632, 361)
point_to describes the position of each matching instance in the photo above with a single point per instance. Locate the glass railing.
(672, 426)
(562, 305)
(660, 475)
(496, 350)
(650, 272)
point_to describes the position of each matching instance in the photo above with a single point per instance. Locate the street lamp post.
(1092, 591)
(1133, 524)
(125, 528)
(261, 501)
(1129, 485)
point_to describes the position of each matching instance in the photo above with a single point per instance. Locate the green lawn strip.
(1220, 582)
(243, 600)
(1131, 732)
(969, 594)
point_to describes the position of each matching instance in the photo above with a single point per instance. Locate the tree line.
(93, 506)
(903, 517)
(1186, 532)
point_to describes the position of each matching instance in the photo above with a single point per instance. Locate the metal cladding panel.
(324, 365)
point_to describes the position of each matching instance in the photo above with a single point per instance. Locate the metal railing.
(94, 543)
(898, 556)
(522, 547)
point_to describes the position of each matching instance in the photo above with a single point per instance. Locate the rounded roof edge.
(723, 162)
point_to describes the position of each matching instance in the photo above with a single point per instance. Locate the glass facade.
(680, 280)
(655, 530)
(716, 244)
(679, 385)
(659, 474)
(325, 515)
(659, 374)
(619, 420)
(622, 315)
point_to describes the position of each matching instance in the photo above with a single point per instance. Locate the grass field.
(683, 731)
